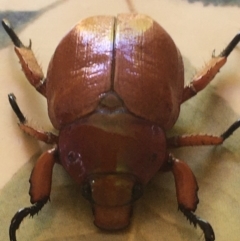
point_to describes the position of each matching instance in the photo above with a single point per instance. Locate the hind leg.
(206, 75)
(28, 61)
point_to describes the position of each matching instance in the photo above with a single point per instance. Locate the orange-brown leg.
(41, 177)
(204, 77)
(46, 137)
(186, 190)
(30, 66)
(40, 188)
(201, 140)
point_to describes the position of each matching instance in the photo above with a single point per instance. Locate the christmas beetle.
(114, 86)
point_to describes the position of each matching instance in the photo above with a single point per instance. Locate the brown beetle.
(114, 86)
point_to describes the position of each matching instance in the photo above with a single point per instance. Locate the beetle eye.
(87, 191)
(137, 191)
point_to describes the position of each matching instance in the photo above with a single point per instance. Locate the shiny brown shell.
(130, 55)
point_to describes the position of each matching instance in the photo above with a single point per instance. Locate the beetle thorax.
(115, 142)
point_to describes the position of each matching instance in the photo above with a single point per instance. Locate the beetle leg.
(186, 189)
(40, 188)
(46, 137)
(41, 176)
(201, 140)
(20, 215)
(186, 184)
(204, 77)
(30, 66)
(205, 226)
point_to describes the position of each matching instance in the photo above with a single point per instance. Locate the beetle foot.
(15, 39)
(230, 46)
(21, 214)
(231, 129)
(13, 102)
(204, 225)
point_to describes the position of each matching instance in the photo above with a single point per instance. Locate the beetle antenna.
(204, 225)
(21, 214)
(16, 109)
(230, 46)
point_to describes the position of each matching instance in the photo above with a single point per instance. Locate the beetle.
(114, 86)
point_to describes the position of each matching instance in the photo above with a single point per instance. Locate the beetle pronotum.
(114, 86)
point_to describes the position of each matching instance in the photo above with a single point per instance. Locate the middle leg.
(201, 140)
(46, 137)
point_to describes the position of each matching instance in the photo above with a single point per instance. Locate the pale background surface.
(197, 30)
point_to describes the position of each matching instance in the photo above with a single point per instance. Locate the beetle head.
(112, 196)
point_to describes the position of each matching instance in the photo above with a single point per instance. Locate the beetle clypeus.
(113, 87)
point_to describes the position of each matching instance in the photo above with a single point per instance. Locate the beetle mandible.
(114, 86)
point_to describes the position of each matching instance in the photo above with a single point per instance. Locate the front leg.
(40, 188)
(204, 77)
(30, 66)
(186, 189)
